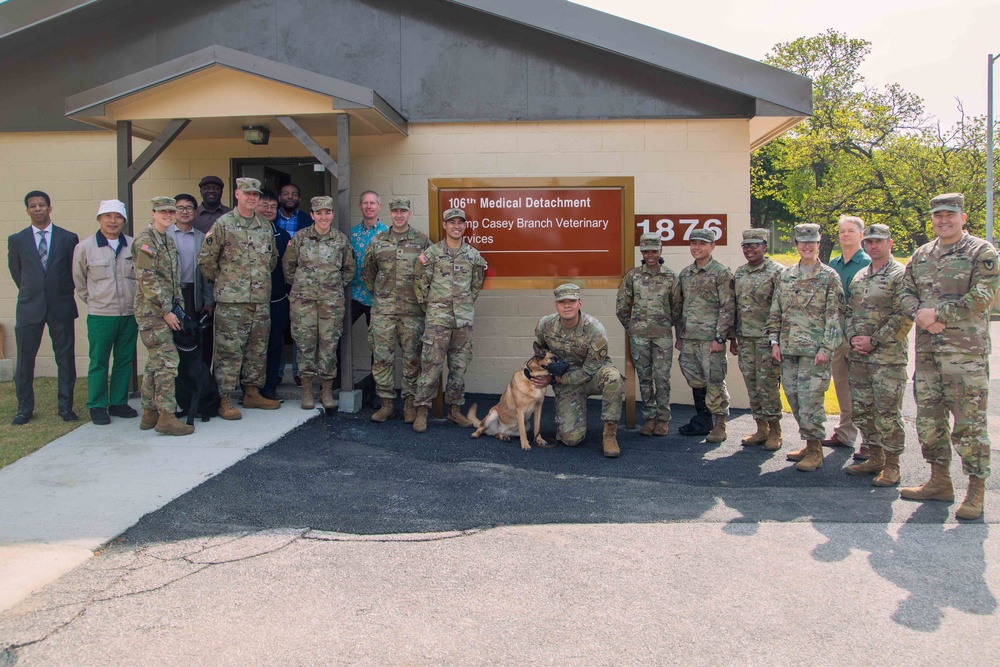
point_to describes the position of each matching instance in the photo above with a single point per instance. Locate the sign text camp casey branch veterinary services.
(538, 232)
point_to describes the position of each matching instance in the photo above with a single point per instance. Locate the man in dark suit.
(41, 263)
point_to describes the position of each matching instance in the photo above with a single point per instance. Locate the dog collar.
(527, 373)
(185, 349)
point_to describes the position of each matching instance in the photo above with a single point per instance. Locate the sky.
(937, 49)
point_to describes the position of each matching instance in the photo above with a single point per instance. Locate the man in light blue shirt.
(361, 299)
(852, 259)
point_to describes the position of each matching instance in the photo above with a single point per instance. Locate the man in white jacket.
(105, 280)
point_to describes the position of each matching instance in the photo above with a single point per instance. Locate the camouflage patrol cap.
(877, 232)
(322, 202)
(248, 185)
(400, 204)
(706, 235)
(164, 204)
(953, 201)
(754, 236)
(807, 232)
(650, 242)
(567, 291)
(453, 213)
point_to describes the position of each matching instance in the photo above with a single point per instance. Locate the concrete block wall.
(679, 167)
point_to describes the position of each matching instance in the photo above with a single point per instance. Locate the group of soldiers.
(786, 323)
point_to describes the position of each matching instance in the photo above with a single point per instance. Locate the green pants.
(107, 334)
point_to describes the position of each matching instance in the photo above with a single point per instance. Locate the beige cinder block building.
(380, 95)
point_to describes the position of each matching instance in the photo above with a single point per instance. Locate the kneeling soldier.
(582, 341)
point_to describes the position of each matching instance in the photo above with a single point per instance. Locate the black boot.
(701, 423)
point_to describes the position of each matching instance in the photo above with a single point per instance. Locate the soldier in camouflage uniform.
(158, 291)
(805, 327)
(948, 287)
(319, 265)
(648, 306)
(582, 341)
(708, 312)
(447, 279)
(238, 254)
(397, 317)
(756, 282)
(876, 328)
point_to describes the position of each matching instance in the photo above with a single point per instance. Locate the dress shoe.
(271, 395)
(834, 441)
(126, 411)
(21, 418)
(99, 416)
(298, 380)
(69, 416)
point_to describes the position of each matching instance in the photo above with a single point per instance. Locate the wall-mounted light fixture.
(256, 135)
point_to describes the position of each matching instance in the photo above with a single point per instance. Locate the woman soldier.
(318, 265)
(805, 327)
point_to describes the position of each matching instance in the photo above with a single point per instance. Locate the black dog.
(195, 388)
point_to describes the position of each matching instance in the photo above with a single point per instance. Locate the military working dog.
(520, 400)
(195, 388)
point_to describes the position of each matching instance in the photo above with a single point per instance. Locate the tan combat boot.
(308, 400)
(873, 466)
(890, 472)
(938, 487)
(253, 399)
(975, 498)
(420, 421)
(149, 419)
(455, 416)
(610, 440)
(798, 454)
(813, 458)
(662, 427)
(227, 410)
(758, 438)
(773, 442)
(647, 428)
(385, 412)
(409, 410)
(326, 395)
(718, 432)
(168, 424)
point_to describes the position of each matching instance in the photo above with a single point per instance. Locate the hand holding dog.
(172, 322)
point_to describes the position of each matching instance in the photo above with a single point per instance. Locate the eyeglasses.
(267, 206)
(186, 209)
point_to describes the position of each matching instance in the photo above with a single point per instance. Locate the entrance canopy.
(221, 90)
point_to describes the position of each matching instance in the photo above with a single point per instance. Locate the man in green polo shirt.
(852, 259)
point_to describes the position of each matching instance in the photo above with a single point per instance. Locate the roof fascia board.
(19, 15)
(655, 47)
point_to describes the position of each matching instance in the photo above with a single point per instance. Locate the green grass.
(44, 427)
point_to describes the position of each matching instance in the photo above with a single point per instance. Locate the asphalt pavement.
(346, 542)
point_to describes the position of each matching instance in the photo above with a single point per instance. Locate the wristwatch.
(720, 340)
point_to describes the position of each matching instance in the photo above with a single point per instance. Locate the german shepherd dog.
(195, 389)
(520, 400)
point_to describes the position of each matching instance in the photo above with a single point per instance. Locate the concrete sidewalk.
(78, 492)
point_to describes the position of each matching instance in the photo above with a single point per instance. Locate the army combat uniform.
(585, 348)
(396, 315)
(755, 287)
(648, 306)
(158, 290)
(952, 367)
(447, 282)
(878, 378)
(708, 313)
(238, 255)
(806, 318)
(319, 267)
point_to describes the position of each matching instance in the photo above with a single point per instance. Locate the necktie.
(43, 250)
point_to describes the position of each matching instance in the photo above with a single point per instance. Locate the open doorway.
(273, 173)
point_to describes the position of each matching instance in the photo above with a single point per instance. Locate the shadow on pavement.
(345, 474)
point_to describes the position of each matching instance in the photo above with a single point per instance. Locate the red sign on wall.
(675, 228)
(550, 232)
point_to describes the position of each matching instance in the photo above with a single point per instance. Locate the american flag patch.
(422, 257)
(146, 249)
